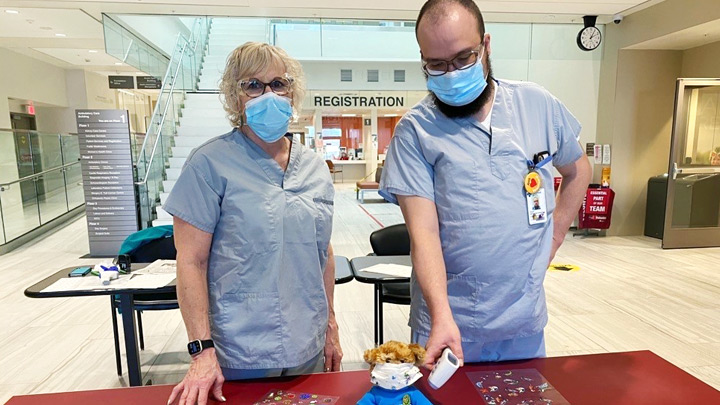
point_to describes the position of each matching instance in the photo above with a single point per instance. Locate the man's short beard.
(474, 106)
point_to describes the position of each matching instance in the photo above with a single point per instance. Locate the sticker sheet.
(281, 397)
(515, 387)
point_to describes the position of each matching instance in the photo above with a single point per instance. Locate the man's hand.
(333, 351)
(444, 333)
(203, 376)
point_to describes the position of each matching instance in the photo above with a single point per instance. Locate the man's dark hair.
(435, 9)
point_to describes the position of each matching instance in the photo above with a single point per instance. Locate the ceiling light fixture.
(60, 35)
(12, 11)
(348, 115)
(118, 63)
(92, 51)
(391, 115)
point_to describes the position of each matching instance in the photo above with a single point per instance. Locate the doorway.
(692, 214)
(25, 145)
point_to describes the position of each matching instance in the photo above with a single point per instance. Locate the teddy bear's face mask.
(393, 376)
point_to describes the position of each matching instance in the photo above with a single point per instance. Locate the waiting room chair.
(334, 170)
(162, 248)
(393, 240)
(364, 185)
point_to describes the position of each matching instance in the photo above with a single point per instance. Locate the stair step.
(172, 173)
(162, 214)
(161, 222)
(164, 197)
(177, 161)
(181, 151)
(168, 185)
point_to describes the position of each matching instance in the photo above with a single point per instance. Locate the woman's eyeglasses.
(255, 87)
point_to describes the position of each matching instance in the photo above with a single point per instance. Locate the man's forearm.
(421, 218)
(570, 196)
(329, 281)
(192, 292)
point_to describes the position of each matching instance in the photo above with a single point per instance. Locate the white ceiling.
(32, 31)
(698, 35)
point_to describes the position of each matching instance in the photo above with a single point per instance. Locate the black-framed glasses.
(255, 87)
(464, 60)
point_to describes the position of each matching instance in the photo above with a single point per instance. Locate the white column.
(372, 144)
(317, 124)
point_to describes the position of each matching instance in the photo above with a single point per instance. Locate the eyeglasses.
(465, 60)
(256, 88)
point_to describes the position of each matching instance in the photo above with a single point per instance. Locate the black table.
(343, 274)
(358, 264)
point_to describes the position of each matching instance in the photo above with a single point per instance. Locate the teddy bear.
(393, 371)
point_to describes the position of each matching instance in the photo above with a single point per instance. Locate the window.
(399, 76)
(345, 75)
(373, 75)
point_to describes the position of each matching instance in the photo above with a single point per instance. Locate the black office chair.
(158, 249)
(393, 240)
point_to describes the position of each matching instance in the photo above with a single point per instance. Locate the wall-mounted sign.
(121, 82)
(358, 101)
(368, 122)
(106, 161)
(149, 83)
(590, 149)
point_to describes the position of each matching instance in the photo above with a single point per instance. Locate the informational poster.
(106, 160)
(598, 154)
(590, 149)
(606, 155)
(605, 181)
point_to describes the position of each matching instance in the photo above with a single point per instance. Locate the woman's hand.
(203, 376)
(333, 351)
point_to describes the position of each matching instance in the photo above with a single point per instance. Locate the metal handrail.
(36, 175)
(162, 122)
(188, 43)
(36, 131)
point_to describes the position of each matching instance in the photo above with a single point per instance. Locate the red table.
(632, 378)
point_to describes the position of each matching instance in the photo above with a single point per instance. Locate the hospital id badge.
(537, 207)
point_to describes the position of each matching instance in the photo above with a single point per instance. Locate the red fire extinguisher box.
(596, 210)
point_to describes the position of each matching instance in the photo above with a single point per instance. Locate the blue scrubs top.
(271, 231)
(495, 260)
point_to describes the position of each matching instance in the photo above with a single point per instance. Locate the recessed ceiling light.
(12, 11)
(92, 51)
(118, 63)
(60, 35)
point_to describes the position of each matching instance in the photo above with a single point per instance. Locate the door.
(25, 146)
(692, 214)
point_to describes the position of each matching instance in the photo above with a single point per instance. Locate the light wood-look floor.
(628, 295)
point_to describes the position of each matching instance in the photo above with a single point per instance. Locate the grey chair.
(393, 240)
(158, 249)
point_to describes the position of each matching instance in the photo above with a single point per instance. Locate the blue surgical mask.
(459, 87)
(268, 116)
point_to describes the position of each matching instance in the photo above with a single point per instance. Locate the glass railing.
(40, 180)
(133, 50)
(181, 76)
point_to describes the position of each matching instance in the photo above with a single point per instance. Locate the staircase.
(202, 115)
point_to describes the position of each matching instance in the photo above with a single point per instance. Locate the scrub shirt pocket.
(464, 298)
(251, 327)
(503, 163)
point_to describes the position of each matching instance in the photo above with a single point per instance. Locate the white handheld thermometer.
(446, 366)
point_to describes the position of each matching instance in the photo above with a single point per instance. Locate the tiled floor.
(628, 295)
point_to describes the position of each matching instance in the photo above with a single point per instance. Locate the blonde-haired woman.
(253, 214)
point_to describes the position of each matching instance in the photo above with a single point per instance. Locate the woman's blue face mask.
(459, 87)
(269, 116)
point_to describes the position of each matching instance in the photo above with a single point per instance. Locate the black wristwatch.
(197, 346)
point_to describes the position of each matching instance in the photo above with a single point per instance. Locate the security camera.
(617, 18)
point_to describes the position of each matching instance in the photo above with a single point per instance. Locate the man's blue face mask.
(461, 86)
(269, 116)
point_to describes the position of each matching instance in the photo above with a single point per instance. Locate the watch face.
(194, 347)
(589, 38)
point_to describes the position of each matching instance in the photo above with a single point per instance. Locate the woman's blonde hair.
(248, 60)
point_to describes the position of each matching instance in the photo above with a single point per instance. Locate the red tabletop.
(632, 378)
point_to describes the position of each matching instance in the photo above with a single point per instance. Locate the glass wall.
(50, 189)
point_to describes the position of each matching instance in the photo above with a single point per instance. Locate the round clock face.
(589, 38)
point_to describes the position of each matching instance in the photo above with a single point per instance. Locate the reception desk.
(353, 170)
